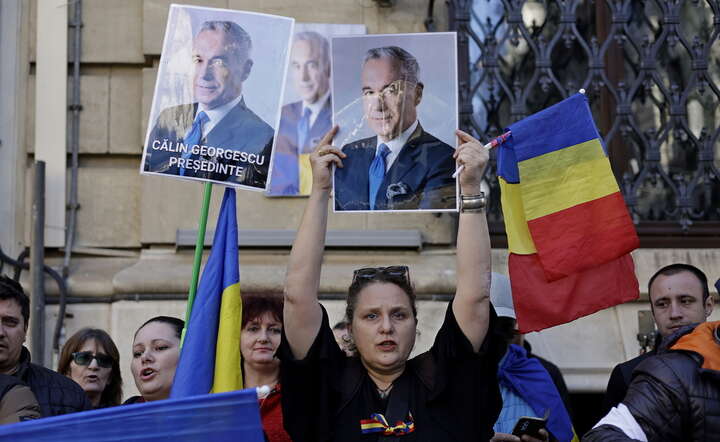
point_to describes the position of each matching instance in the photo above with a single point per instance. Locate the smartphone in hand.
(530, 426)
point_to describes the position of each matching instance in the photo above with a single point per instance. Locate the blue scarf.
(529, 380)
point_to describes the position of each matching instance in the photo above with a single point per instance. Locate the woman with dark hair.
(262, 318)
(91, 359)
(155, 351)
(449, 393)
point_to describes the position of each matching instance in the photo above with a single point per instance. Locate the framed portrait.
(217, 97)
(307, 106)
(395, 100)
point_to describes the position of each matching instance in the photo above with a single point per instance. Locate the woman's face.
(155, 355)
(260, 339)
(92, 377)
(383, 327)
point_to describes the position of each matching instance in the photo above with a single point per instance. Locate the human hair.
(175, 323)
(406, 62)
(359, 284)
(674, 269)
(319, 42)
(112, 394)
(239, 39)
(254, 306)
(505, 328)
(11, 289)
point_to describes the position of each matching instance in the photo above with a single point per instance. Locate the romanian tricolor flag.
(210, 356)
(569, 232)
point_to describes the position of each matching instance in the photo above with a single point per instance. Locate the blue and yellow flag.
(231, 417)
(210, 356)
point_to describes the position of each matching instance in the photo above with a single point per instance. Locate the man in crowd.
(527, 387)
(56, 394)
(679, 296)
(402, 167)
(674, 396)
(304, 122)
(218, 118)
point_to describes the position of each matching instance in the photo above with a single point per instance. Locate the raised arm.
(302, 314)
(471, 305)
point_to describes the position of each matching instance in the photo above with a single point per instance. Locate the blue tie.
(377, 172)
(303, 130)
(194, 136)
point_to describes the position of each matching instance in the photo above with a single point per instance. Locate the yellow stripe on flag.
(565, 178)
(519, 240)
(305, 174)
(228, 371)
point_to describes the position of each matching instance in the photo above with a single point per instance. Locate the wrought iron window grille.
(652, 73)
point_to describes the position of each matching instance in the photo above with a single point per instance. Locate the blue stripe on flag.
(196, 367)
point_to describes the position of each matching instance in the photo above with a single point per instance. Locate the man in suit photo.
(402, 167)
(304, 122)
(237, 142)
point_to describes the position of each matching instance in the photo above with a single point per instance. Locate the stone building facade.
(129, 264)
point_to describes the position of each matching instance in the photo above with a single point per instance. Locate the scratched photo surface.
(395, 102)
(217, 97)
(307, 106)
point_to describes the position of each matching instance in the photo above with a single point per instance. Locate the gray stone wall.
(129, 267)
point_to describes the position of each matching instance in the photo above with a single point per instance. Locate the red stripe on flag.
(540, 304)
(583, 236)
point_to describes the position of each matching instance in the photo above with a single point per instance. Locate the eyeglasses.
(86, 357)
(397, 272)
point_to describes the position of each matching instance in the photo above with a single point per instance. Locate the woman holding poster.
(449, 393)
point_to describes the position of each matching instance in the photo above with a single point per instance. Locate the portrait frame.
(233, 143)
(436, 115)
(290, 168)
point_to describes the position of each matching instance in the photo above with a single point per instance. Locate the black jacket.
(621, 377)
(56, 394)
(671, 397)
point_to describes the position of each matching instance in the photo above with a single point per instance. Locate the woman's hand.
(473, 157)
(322, 159)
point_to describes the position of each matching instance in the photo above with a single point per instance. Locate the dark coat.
(56, 394)
(620, 379)
(671, 397)
(419, 178)
(286, 148)
(240, 130)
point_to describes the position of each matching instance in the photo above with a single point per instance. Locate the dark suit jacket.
(420, 177)
(286, 148)
(240, 130)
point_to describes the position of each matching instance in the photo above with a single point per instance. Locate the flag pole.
(197, 260)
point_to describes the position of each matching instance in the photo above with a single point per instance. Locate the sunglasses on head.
(398, 272)
(86, 357)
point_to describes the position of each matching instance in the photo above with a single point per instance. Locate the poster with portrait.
(307, 106)
(217, 96)
(395, 100)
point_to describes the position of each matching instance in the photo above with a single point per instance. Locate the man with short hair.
(218, 118)
(56, 394)
(679, 296)
(402, 167)
(304, 122)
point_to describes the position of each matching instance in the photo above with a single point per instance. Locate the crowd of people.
(356, 381)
